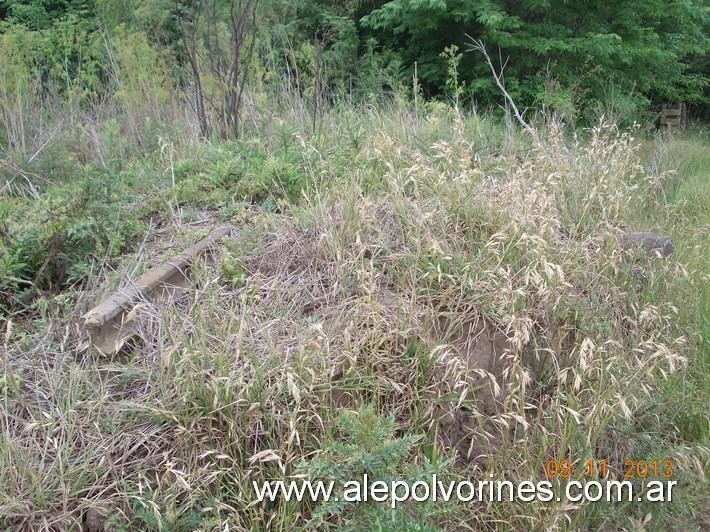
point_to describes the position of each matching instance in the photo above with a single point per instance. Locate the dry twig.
(478, 45)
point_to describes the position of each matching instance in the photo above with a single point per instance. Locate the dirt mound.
(365, 318)
(472, 375)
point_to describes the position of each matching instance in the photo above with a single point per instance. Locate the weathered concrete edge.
(653, 244)
(125, 299)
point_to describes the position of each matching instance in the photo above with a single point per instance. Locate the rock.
(653, 245)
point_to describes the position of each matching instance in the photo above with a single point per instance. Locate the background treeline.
(574, 57)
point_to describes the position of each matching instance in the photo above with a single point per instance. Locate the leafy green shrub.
(368, 445)
(645, 47)
(239, 171)
(53, 241)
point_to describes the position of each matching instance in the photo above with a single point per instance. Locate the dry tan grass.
(474, 294)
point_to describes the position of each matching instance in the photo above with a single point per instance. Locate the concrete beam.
(111, 323)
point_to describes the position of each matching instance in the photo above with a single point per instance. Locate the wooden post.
(672, 116)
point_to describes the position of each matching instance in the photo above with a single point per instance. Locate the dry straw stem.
(8, 186)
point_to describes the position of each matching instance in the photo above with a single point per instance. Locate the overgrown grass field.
(406, 293)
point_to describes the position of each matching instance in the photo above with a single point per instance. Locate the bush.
(59, 238)
(368, 446)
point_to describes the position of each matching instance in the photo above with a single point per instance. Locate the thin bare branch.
(477, 45)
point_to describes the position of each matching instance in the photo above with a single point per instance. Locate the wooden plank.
(111, 323)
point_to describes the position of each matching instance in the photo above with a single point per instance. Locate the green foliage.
(140, 72)
(368, 446)
(58, 236)
(61, 61)
(155, 18)
(66, 54)
(453, 89)
(378, 71)
(18, 85)
(232, 270)
(153, 512)
(240, 171)
(61, 236)
(310, 23)
(42, 14)
(71, 54)
(556, 52)
(570, 56)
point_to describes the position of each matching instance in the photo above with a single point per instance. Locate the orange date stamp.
(632, 469)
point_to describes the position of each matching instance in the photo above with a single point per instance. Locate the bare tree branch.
(477, 45)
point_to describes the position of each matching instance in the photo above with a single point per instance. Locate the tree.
(219, 40)
(575, 48)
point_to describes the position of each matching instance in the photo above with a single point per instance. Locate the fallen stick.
(110, 324)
